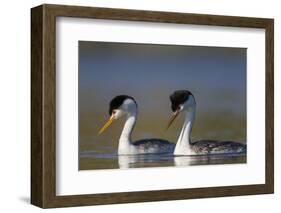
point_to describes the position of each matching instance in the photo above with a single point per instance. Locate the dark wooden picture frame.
(43, 105)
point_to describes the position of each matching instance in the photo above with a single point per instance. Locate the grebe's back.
(218, 147)
(154, 145)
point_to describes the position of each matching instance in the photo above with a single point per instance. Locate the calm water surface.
(111, 160)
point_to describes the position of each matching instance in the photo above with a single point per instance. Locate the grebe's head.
(181, 100)
(120, 106)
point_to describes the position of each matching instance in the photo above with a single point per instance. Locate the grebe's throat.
(183, 146)
(125, 138)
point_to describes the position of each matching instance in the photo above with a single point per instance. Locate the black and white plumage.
(218, 147)
(124, 105)
(157, 144)
(184, 101)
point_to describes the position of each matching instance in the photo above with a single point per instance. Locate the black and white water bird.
(184, 101)
(124, 105)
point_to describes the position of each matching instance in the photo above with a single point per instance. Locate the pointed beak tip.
(99, 133)
(106, 125)
(173, 117)
(167, 127)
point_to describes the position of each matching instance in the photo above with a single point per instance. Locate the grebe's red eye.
(113, 112)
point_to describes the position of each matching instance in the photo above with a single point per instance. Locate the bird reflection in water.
(165, 160)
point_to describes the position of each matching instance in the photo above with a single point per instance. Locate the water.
(90, 160)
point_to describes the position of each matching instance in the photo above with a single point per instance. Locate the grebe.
(184, 101)
(124, 105)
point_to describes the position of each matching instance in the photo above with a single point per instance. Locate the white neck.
(183, 146)
(125, 145)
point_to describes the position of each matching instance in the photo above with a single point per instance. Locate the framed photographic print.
(137, 106)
